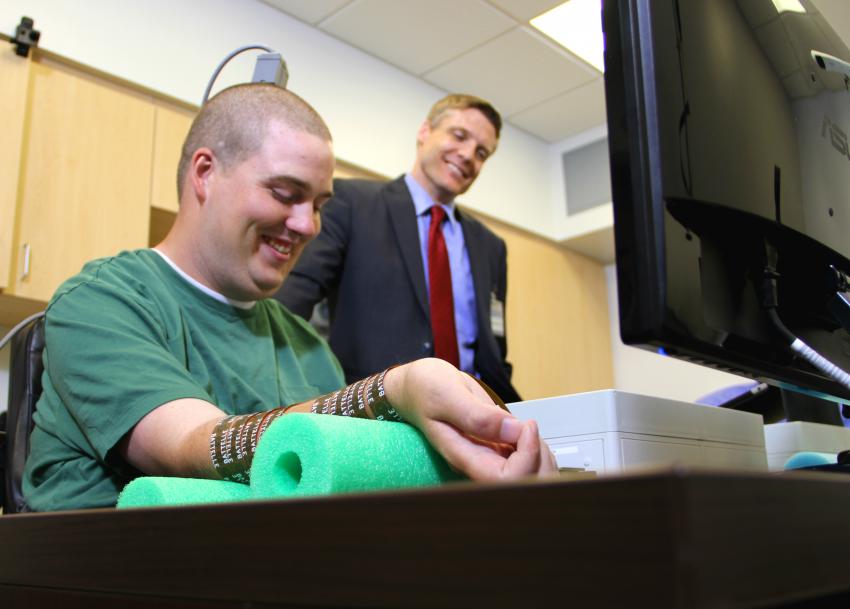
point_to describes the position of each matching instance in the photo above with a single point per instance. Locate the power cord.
(769, 297)
(17, 327)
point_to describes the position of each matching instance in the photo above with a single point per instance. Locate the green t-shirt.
(129, 334)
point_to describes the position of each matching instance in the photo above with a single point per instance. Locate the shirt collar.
(239, 304)
(422, 201)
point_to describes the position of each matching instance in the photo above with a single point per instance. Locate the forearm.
(193, 438)
(233, 440)
(173, 440)
(454, 412)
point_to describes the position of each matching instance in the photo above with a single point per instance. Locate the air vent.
(587, 177)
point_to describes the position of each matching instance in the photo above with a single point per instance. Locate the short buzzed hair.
(462, 101)
(234, 122)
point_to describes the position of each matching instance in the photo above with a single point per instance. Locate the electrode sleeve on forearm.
(364, 399)
(234, 439)
(233, 443)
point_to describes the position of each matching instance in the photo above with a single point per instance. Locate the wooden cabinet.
(14, 74)
(558, 336)
(171, 126)
(85, 159)
(88, 163)
(85, 177)
(170, 129)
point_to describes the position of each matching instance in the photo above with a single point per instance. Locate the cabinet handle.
(26, 271)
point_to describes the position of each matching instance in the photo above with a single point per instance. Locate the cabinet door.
(574, 290)
(172, 125)
(14, 74)
(86, 177)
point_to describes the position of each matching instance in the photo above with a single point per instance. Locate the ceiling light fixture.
(577, 26)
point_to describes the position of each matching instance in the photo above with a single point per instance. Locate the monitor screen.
(731, 184)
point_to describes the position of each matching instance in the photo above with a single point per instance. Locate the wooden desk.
(665, 539)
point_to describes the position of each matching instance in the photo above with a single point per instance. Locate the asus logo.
(836, 136)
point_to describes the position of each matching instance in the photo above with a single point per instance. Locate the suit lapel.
(403, 220)
(479, 264)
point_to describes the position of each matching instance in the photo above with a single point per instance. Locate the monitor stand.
(777, 404)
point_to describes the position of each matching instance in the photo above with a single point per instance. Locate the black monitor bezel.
(639, 207)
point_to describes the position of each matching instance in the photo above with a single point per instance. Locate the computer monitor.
(731, 185)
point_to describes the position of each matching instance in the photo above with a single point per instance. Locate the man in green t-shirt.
(173, 360)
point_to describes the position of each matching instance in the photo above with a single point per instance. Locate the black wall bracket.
(26, 37)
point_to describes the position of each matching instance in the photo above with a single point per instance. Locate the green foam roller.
(309, 454)
(151, 491)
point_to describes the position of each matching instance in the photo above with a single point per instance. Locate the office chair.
(25, 368)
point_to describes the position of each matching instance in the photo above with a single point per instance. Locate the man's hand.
(460, 420)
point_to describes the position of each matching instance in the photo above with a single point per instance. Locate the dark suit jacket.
(366, 260)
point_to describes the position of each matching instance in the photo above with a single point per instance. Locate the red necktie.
(440, 280)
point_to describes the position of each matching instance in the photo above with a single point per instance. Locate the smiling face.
(450, 153)
(257, 215)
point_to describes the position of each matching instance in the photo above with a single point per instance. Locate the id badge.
(497, 315)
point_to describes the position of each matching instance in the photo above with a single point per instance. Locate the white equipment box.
(785, 439)
(611, 431)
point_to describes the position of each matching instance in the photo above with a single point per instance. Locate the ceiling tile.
(525, 10)
(565, 115)
(417, 36)
(311, 12)
(514, 71)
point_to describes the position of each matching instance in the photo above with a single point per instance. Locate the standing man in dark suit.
(401, 286)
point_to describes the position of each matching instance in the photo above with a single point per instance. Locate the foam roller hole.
(288, 466)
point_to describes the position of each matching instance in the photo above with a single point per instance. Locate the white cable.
(17, 327)
(221, 65)
(820, 362)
